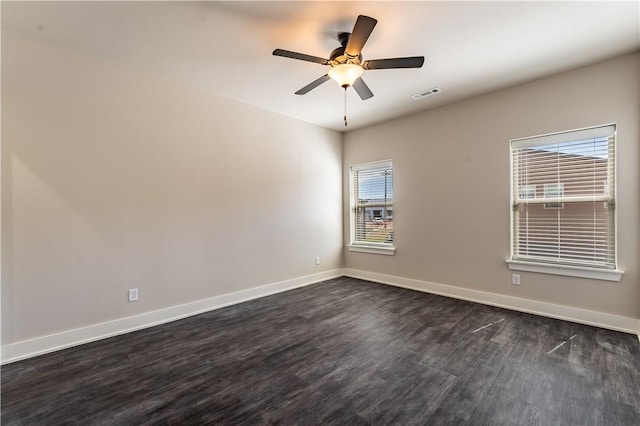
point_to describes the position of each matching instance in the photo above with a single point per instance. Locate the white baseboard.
(66, 339)
(546, 309)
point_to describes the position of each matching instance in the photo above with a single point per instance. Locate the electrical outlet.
(133, 294)
(515, 279)
(317, 260)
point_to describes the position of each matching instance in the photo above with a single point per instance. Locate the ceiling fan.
(346, 62)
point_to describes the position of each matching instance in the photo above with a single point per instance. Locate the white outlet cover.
(133, 294)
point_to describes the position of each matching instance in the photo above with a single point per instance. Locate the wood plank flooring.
(342, 351)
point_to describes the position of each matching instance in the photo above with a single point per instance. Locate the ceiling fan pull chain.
(345, 106)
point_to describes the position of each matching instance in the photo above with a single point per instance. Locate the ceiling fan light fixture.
(346, 74)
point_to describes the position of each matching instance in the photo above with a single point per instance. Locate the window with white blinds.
(563, 192)
(372, 204)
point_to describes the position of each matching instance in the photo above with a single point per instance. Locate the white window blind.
(563, 192)
(372, 204)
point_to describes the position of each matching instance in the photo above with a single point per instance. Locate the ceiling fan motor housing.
(338, 56)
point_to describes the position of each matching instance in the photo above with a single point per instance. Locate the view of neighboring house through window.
(372, 204)
(563, 198)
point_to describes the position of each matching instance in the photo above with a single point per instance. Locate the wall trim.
(54, 342)
(545, 309)
(66, 339)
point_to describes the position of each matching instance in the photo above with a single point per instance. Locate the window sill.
(389, 251)
(570, 271)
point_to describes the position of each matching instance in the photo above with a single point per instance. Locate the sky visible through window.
(596, 147)
(374, 186)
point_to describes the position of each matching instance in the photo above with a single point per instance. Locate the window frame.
(540, 266)
(361, 246)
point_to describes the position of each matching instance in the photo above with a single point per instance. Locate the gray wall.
(114, 178)
(451, 184)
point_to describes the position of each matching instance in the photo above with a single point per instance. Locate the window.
(372, 208)
(553, 190)
(527, 191)
(570, 225)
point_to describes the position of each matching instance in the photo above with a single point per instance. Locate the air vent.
(426, 93)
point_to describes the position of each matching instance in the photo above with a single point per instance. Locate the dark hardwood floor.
(343, 351)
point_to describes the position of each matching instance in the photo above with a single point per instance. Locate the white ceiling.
(225, 47)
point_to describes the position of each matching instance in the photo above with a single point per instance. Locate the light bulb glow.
(346, 74)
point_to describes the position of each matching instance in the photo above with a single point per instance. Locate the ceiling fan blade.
(315, 83)
(361, 32)
(300, 56)
(382, 64)
(362, 89)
